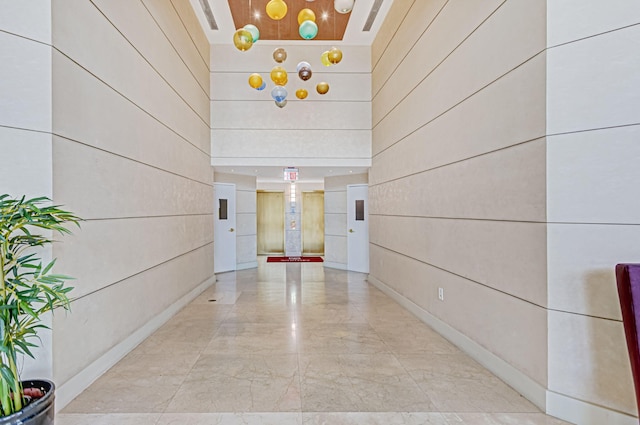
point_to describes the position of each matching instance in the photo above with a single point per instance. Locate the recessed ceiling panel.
(331, 24)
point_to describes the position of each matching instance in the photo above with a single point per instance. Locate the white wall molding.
(583, 413)
(249, 265)
(73, 387)
(526, 386)
(333, 265)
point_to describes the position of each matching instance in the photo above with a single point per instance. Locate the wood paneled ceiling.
(331, 24)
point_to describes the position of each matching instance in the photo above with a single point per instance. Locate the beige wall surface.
(458, 183)
(593, 127)
(131, 155)
(248, 129)
(25, 125)
(504, 150)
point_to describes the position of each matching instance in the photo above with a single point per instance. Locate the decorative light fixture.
(245, 37)
(343, 6)
(276, 9)
(322, 88)
(308, 30)
(243, 40)
(279, 55)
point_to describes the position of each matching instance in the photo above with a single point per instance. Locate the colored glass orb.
(279, 55)
(308, 30)
(255, 32)
(255, 80)
(281, 104)
(302, 94)
(243, 40)
(276, 9)
(304, 73)
(335, 55)
(263, 86)
(279, 93)
(301, 65)
(343, 6)
(279, 75)
(322, 88)
(325, 59)
(306, 15)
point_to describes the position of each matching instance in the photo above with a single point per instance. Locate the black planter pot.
(38, 412)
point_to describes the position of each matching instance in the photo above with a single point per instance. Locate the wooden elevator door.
(313, 222)
(270, 212)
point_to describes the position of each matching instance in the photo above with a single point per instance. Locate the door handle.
(351, 230)
(232, 229)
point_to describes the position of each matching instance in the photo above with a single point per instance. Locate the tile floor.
(298, 344)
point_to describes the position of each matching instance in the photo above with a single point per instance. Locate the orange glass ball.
(335, 55)
(306, 15)
(322, 88)
(279, 76)
(243, 40)
(276, 9)
(255, 80)
(302, 94)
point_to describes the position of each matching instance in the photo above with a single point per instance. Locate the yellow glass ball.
(255, 80)
(325, 59)
(243, 40)
(335, 55)
(322, 88)
(302, 94)
(276, 9)
(306, 15)
(279, 76)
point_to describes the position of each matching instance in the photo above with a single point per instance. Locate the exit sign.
(291, 174)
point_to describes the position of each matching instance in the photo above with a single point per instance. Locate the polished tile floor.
(298, 344)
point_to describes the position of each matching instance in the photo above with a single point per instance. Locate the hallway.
(291, 343)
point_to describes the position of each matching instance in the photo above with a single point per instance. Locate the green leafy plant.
(28, 289)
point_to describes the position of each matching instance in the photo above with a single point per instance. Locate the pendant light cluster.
(245, 37)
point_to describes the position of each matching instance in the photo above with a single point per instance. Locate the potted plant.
(28, 290)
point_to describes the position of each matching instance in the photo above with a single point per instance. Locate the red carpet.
(294, 260)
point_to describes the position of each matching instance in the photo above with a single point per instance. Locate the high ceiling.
(331, 24)
(345, 29)
(350, 28)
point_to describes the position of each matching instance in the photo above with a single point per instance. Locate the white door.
(358, 228)
(224, 228)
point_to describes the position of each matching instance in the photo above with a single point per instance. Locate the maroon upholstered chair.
(628, 277)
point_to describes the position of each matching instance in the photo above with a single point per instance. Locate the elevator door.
(270, 212)
(313, 223)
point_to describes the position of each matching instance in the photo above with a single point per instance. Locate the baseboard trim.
(583, 413)
(332, 265)
(66, 392)
(526, 386)
(245, 266)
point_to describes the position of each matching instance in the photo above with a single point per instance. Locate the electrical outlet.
(441, 294)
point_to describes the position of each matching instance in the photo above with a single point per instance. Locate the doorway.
(224, 236)
(358, 225)
(313, 222)
(270, 222)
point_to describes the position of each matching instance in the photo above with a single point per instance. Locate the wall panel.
(131, 155)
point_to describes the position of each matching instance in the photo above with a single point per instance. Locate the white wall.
(593, 127)
(246, 220)
(248, 129)
(131, 156)
(25, 123)
(335, 218)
